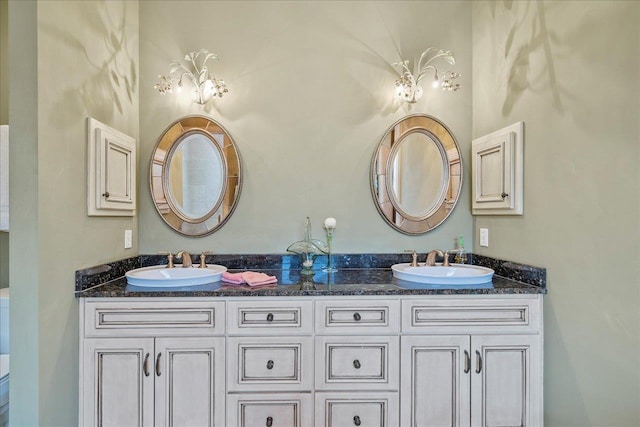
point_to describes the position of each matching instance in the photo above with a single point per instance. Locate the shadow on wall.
(520, 78)
(109, 83)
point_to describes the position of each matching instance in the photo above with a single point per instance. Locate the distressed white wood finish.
(270, 364)
(374, 409)
(448, 315)
(114, 388)
(111, 168)
(190, 382)
(435, 388)
(259, 317)
(414, 360)
(497, 163)
(357, 363)
(508, 389)
(264, 409)
(110, 317)
(366, 316)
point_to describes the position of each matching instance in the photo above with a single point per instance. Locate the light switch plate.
(128, 239)
(484, 237)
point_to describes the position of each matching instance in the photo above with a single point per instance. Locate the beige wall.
(311, 94)
(85, 64)
(4, 120)
(571, 71)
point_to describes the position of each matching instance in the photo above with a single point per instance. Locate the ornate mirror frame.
(382, 167)
(231, 172)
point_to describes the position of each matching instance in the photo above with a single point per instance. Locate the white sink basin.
(161, 276)
(455, 274)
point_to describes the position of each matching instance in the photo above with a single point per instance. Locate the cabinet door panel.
(119, 392)
(435, 388)
(273, 410)
(508, 382)
(189, 382)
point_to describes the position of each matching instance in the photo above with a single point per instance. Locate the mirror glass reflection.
(416, 174)
(195, 176)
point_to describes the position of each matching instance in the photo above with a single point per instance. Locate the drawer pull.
(357, 317)
(158, 373)
(356, 364)
(145, 365)
(467, 362)
(270, 364)
(479, 362)
(356, 420)
(269, 421)
(270, 317)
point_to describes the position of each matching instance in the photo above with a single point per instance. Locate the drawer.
(270, 317)
(350, 363)
(471, 315)
(354, 317)
(341, 409)
(276, 410)
(121, 318)
(270, 363)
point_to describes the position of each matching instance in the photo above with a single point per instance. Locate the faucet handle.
(203, 256)
(169, 258)
(414, 257)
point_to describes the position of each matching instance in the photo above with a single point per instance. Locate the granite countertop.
(352, 278)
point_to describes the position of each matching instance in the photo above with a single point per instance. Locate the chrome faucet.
(431, 257)
(186, 258)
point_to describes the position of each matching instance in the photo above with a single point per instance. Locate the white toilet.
(4, 357)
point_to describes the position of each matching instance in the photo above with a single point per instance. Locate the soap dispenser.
(461, 255)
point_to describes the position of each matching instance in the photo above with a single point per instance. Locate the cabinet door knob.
(356, 420)
(270, 364)
(158, 373)
(145, 365)
(105, 194)
(269, 421)
(270, 317)
(478, 362)
(356, 364)
(356, 316)
(467, 362)
(503, 195)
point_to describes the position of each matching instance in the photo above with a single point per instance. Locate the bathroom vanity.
(364, 353)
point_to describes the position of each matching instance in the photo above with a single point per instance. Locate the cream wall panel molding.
(112, 171)
(4, 178)
(497, 172)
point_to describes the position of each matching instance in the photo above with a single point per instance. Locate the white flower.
(330, 223)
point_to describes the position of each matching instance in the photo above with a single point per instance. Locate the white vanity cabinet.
(152, 363)
(475, 362)
(334, 361)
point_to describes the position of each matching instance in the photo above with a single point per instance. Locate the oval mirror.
(416, 174)
(195, 176)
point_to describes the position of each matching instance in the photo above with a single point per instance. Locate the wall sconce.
(408, 85)
(205, 87)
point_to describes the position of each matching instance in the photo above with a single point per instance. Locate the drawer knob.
(270, 317)
(356, 364)
(356, 420)
(269, 421)
(270, 364)
(356, 316)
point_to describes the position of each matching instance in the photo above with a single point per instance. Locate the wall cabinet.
(375, 361)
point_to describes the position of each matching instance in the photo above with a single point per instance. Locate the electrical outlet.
(484, 237)
(128, 239)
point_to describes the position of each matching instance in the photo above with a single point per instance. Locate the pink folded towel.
(235, 278)
(251, 278)
(256, 279)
